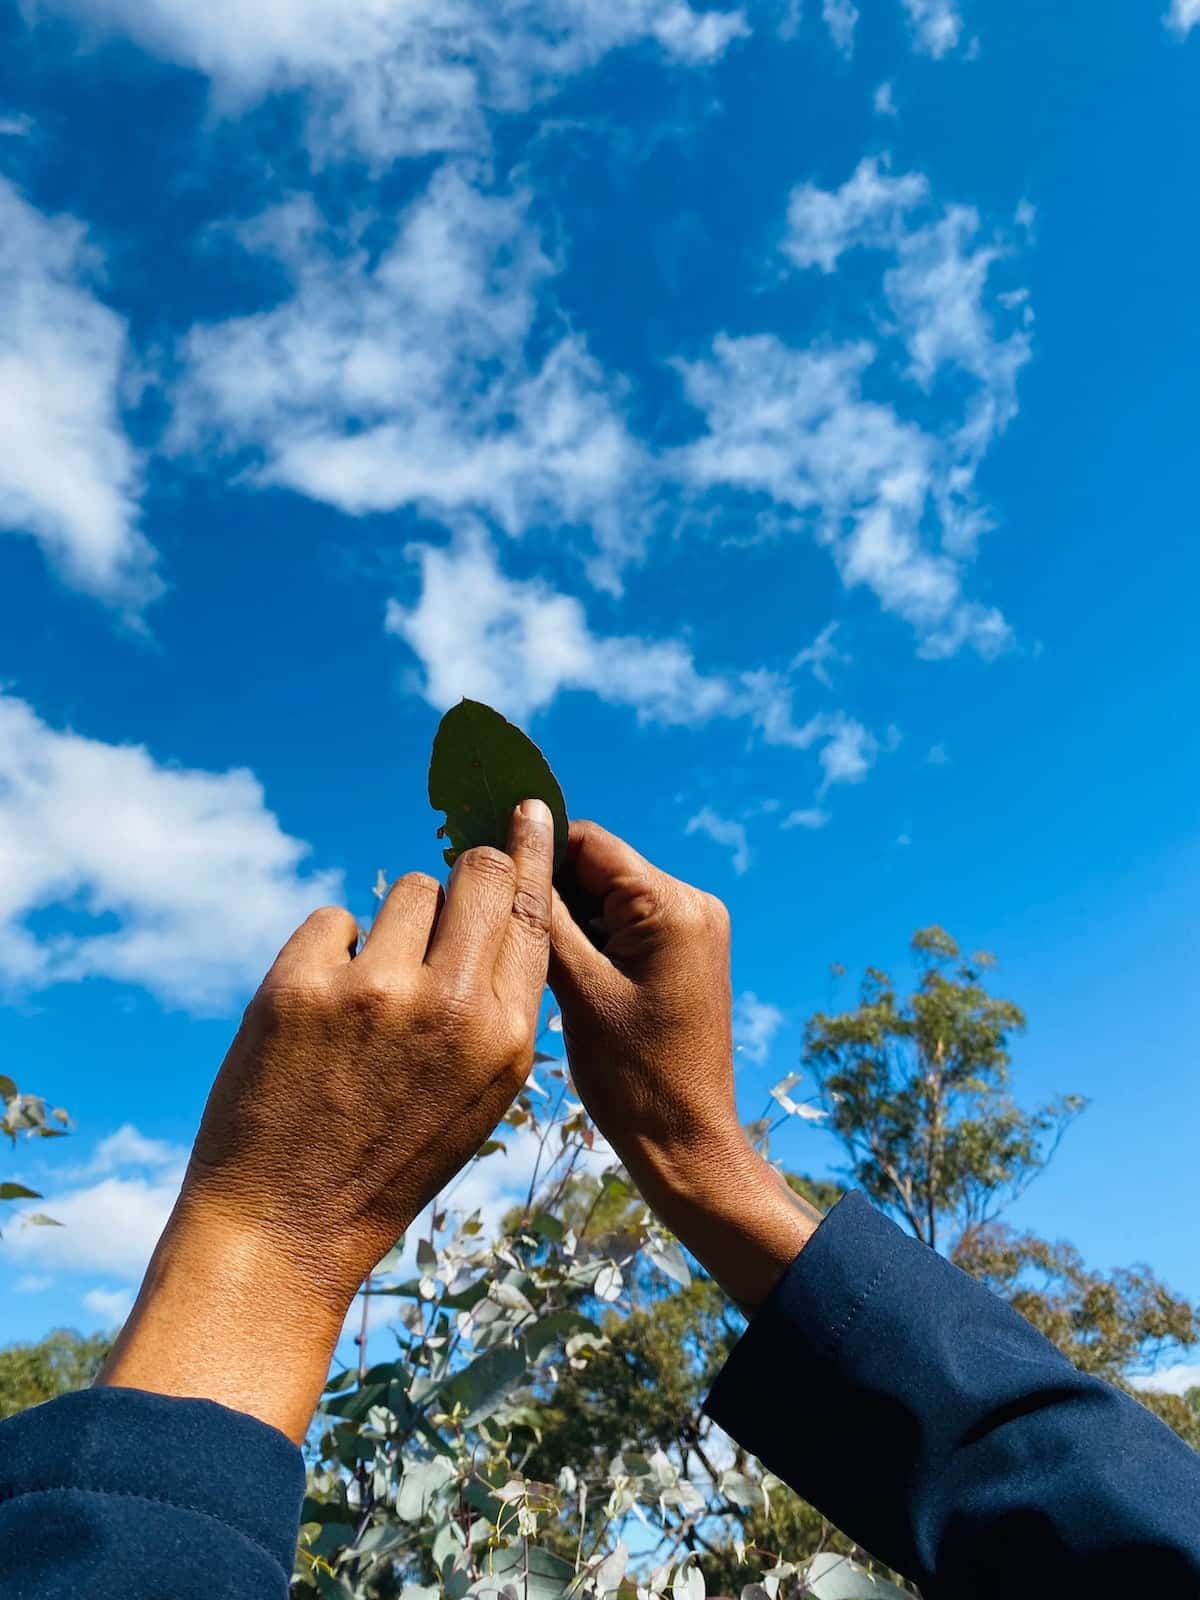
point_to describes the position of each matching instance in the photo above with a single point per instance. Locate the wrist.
(225, 1315)
(730, 1207)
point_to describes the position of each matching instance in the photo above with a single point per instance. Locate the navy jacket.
(920, 1413)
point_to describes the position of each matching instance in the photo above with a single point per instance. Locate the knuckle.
(717, 913)
(330, 918)
(488, 865)
(700, 913)
(294, 997)
(371, 994)
(419, 883)
(531, 908)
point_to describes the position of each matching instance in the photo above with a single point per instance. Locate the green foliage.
(544, 1392)
(1180, 1412)
(58, 1364)
(917, 1093)
(542, 1407)
(1108, 1324)
(482, 768)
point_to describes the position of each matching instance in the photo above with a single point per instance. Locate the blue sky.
(789, 414)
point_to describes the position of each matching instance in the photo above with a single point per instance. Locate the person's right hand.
(648, 1028)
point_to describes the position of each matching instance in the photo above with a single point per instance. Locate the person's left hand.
(355, 1089)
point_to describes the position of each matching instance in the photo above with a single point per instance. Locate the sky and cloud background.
(788, 411)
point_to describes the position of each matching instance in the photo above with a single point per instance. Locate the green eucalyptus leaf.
(17, 1191)
(481, 770)
(537, 1574)
(558, 1325)
(480, 1387)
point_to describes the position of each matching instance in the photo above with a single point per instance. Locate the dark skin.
(358, 1086)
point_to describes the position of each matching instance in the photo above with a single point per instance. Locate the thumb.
(583, 978)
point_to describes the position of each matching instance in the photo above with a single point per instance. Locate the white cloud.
(812, 818)
(16, 127)
(127, 1147)
(819, 656)
(405, 381)
(797, 426)
(1170, 1380)
(68, 474)
(938, 756)
(400, 79)
(936, 24)
(202, 883)
(841, 18)
(111, 1305)
(885, 101)
(848, 755)
(723, 831)
(1184, 15)
(32, 1283)
(868, 209)
(109, 1228)
(755, 1024)
(519, 643)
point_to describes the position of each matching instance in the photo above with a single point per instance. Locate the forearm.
(226, 1317)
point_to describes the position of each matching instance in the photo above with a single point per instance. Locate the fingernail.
(536, 811)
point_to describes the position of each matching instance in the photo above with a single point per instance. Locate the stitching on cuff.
(145, 1499)
(843, 1328)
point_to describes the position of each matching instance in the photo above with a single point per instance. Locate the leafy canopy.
(916, 1091)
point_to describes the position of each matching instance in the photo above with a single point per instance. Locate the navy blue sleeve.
(936, 1427)
(117, 1495)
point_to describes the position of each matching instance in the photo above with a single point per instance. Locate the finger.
(583, 979)
(402, 930)
(327, 939)
(525, 953)
(610, 888)
(600, 861)
(475, 918)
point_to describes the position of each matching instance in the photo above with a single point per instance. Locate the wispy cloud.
(112, 1306)
(519, 643)
(725, 831)
(1184, 15)
(841, 18)
(68, 473)
(391, 80)
(822, 654)
(937, 25)
(406, 381)
(108, 1229)
(813, 818)
(755, 1025)
(192, 881)
(798, 426)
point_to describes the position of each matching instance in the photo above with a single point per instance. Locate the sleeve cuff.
(192, 1455)
(811, 1310)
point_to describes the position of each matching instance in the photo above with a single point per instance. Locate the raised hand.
(356, 1088)
(646, 1005)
